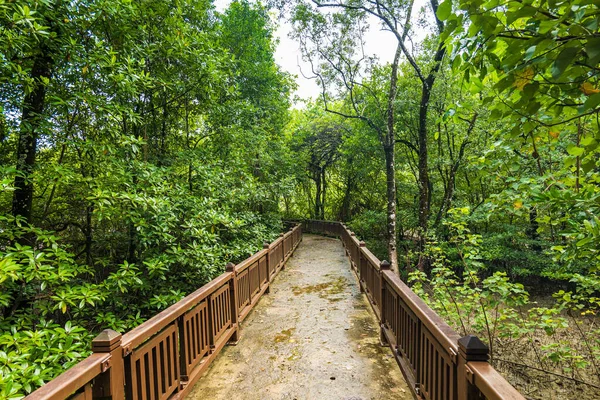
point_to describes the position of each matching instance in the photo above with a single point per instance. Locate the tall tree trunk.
(389, 148)
(89, 238)
(427, 86)
(317, 179)
(31, 120)
(390, 172)
(423, 167)
(345, 209)
(532, 230)
(323, 193)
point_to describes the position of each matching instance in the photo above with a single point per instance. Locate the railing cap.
(473, 349)
(230, 267)
(106, 341)
(266, 245)
(385, 264)
(362, 244)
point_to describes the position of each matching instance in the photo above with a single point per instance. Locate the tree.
(143, 146)
(332, 45)
(318, 139)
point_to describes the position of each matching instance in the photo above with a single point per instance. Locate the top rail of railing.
(163, 357)
(435, 360)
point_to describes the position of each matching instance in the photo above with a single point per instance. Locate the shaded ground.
(313, 337)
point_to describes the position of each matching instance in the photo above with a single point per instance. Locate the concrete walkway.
(313, 337)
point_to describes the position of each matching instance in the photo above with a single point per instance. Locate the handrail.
(65, 384)
(435, 360)
(436, 325)
(141, 333)
(491, 384)
(248, 261)
(163, 357)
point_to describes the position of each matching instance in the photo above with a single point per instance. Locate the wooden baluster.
(383, 266)
(110, 383)
(183, 345)
(470, 348)
(282, 250)
(233, 300)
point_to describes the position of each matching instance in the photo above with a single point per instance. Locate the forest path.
(313, 337)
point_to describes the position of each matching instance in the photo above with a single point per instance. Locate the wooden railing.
(163, 357)
(436, 362)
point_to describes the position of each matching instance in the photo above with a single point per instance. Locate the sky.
(288, 56)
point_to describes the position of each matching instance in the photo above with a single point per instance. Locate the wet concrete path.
(313, 337)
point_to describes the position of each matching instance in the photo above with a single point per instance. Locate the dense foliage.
(140, 150)
(145, 144)
(495, 111)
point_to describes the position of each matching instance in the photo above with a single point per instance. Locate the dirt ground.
(313, 337)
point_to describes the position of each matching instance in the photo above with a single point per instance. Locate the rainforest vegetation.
(145, 144)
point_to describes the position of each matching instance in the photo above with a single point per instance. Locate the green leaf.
(592, 102)
(592, 48)
(575, 151)
(564, 59)
(584, 241)
(444, 10)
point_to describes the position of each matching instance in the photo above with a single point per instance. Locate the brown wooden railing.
(436, 362)
(163, 357)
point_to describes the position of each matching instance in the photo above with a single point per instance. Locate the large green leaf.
(444, 10)
(563, 61)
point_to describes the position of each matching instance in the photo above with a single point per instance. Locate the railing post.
(359, 266)
(282, 250)
(352, 248)
(383, 266)
(267, 247)
(470, 348)
(233, 293)
(110, 383)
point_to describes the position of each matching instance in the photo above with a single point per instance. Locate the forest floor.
(313, 337)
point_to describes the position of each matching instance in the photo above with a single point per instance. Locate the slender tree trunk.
(53, 191)
(89, 237)
(323, 193)
(345, 209)
(31, 119)
(163, 133)
(389, 148)
(390, 171)
(187, 136)
(317, 179)
(532, 230)
(427, 87)
(423, 157)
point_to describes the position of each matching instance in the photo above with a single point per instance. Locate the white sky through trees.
(378, 42)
